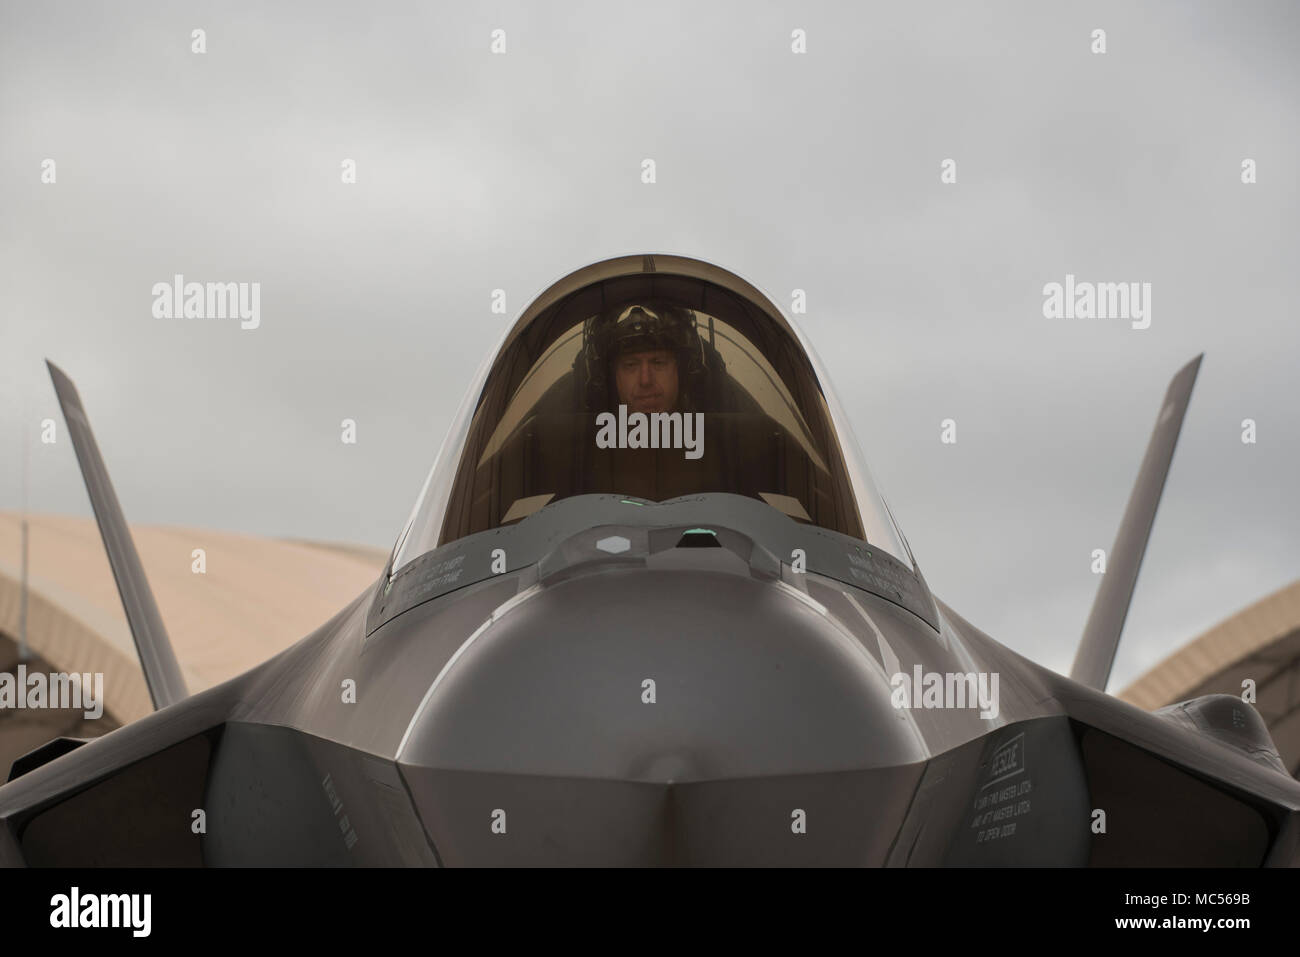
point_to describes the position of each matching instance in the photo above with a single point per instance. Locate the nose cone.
(637, 716)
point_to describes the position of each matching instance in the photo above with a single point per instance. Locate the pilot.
(645, 368)
(650, 354)
(648, 357)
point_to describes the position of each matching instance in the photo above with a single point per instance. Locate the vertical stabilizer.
(1096, 654)
(161, 670)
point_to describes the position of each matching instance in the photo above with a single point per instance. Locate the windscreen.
(652, 388)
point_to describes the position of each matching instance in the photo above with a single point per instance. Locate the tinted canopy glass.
(651, 387)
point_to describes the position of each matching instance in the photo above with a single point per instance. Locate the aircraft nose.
(642, 716)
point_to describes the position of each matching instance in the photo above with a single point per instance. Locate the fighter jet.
(650, 609)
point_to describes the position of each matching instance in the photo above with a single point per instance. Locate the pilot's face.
(647, 381)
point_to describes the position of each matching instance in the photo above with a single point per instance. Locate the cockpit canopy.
(652, 378)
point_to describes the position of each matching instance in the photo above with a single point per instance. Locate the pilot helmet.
(639, 327)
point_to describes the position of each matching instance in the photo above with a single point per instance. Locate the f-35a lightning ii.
(593, 646)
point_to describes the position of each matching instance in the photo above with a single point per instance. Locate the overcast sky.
(818, 171)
